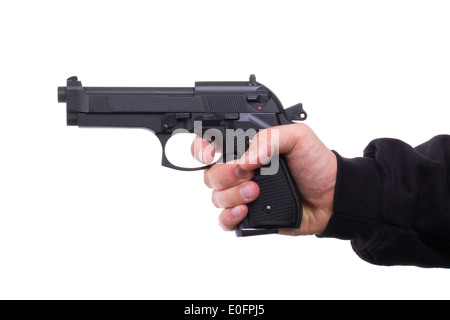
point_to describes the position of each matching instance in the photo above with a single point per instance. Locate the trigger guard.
(163, 138)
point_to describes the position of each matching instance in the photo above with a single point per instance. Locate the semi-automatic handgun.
(220, 107)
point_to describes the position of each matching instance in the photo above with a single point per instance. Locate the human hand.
(313, 167)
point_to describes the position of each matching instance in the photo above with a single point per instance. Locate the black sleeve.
(394, 203)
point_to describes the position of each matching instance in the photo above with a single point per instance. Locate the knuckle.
(220, 181)
(222, 225)
(215, 200)
(206, 179)
(214, 178)
(301, 129)
(224, 221)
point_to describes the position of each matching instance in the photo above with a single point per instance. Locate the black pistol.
(218, 107)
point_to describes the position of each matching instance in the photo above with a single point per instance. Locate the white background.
(91, 214)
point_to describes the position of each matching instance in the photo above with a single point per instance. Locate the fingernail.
(241, 173)
(247, 191)
(236, 212)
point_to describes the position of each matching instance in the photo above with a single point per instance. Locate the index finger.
(202, 150)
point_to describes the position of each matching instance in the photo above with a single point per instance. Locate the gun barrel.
(129, 99)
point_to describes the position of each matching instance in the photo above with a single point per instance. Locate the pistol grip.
(278, 205)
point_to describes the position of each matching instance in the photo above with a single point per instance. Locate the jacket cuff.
(357, 201)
